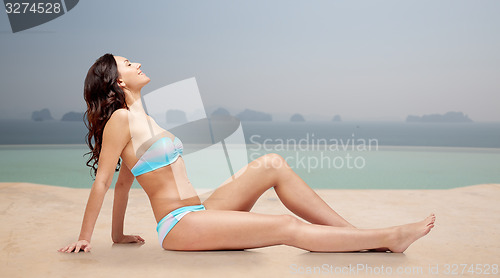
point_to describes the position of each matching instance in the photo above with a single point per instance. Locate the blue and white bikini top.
(162, 153)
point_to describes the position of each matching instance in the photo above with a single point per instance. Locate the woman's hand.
(130, 239)
(77, 246)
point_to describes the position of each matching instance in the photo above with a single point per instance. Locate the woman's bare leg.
(223, 230)
(241, 191)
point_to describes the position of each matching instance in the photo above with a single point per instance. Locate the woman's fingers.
(81, 245)
(77, 247)
(67, 248)
(71, 248)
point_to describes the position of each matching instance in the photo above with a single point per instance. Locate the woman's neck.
(134, 102)
(136, 106)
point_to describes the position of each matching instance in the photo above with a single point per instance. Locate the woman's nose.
(139, 65)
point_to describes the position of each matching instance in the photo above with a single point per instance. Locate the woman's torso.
(167, 187)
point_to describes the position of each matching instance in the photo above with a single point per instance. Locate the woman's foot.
(407, 234)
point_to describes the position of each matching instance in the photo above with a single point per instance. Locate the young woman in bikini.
(153, 156)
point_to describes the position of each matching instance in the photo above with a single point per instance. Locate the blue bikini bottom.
(168, 222)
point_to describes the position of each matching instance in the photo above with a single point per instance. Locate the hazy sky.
(364, 60)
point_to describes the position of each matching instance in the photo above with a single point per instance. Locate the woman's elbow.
(101, 186)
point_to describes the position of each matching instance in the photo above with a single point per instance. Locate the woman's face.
(130, 74)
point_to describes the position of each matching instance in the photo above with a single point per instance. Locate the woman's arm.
(116, 135)
(122, 188)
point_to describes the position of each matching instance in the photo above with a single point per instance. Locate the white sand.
(39, 219)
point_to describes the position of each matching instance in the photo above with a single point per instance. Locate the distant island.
(297, 118)
(45, 115)
(450, 117)
(172, 115)
(252, 115)
(176, 116)
(42, 115)
(179, 116)
(220, 112)
(72, 117)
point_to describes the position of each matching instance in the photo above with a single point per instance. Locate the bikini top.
(163, 152)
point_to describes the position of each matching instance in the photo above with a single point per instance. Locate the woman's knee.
(273, 161)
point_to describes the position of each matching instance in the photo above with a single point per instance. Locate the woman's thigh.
(241, 191)
(225, 230)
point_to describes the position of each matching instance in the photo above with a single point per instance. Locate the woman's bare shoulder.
(119, 117)
(118, 122)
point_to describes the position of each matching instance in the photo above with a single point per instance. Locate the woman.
(120, 127)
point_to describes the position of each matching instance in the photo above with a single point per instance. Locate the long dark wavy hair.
(103, 97)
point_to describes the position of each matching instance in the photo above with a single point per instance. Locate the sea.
(326, 155)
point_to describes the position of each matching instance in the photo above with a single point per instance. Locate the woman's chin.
(146, 80)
